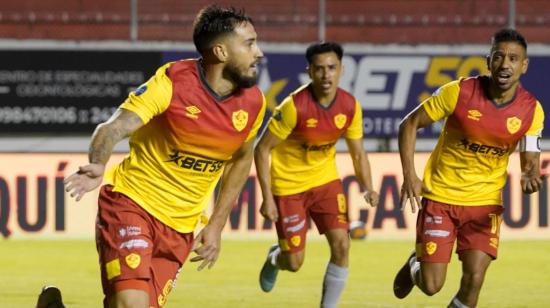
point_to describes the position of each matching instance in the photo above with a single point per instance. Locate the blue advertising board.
(388, 86)
(53, 91)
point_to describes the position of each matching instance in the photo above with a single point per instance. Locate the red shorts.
(325, 204)
(439, 224)
(136, 251)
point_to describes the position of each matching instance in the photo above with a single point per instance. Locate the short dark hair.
(508, 35)
(318, 48)
(213, 21)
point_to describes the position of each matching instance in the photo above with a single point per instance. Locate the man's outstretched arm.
(106, 135)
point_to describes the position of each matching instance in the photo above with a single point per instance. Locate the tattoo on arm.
(121, 125)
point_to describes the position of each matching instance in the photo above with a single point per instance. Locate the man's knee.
(432, 284)
(432, 287)
(340, 247)
(472, 281)
(130, 298)
(293, 262)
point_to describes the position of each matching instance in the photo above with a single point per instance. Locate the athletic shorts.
(325, 204)
(136, 251)
(439, 224)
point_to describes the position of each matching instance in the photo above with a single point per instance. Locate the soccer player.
(191, 124)
(303, 181)
(486, 117)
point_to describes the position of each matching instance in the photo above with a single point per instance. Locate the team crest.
(431, 247)
(133, 260)
(240, 118)
(295, 240)
(513, 124)
(340, 120)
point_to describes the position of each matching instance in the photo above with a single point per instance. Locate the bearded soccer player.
(486, 117)
(303, 181)
(191, 124)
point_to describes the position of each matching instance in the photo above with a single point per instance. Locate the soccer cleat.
(268, 275)
(50, 297)
(403, 283)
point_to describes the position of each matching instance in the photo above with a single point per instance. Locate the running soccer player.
(303, 181)
(191, 124)
(486, 117)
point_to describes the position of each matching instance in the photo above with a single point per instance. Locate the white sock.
(456, 303)
(333, 285)
(273, 256)
(415, 267)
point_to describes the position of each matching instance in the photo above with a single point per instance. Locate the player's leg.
(291, 231)
(124, 243)
(427, 266)
(474, 266)
(477, 246)
(330, 213)
(170, 252)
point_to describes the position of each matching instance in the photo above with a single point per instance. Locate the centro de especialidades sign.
(72, 90)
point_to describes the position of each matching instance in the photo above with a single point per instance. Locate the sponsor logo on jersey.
(129, 231)
(482, 148)
(437, 233)
(133, 260)
(192, 112)
(239, 118)
(474, 114)
(434, 220)
(140, 90)
(311, 122)
(297, 227)
(314, 147)
(431, 247)
(278, 115)
(135, 243)
(340, 120)
(195, 163)
(513, 124)
(167, 288)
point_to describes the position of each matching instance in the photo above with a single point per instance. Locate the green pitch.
(519, 278)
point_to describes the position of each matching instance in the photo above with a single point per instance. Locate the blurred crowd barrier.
(70, 90)
(360, 21)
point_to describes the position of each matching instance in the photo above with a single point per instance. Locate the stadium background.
(65, 66)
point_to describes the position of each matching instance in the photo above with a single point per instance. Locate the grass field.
(520, 278)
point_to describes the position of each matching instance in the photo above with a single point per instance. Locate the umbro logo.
(474, 114)
(192, 112)
(311, 122)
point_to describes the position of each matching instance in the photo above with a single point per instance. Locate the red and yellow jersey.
(178, 156)
(468, 165)
(306, 157)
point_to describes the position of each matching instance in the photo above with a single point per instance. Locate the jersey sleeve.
(355, 130)
(530, 142)
(258, 121)
(151, 98)
(443, 101)
(284, 117)
(538, 122)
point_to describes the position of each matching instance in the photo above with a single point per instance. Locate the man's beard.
(241, 80)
